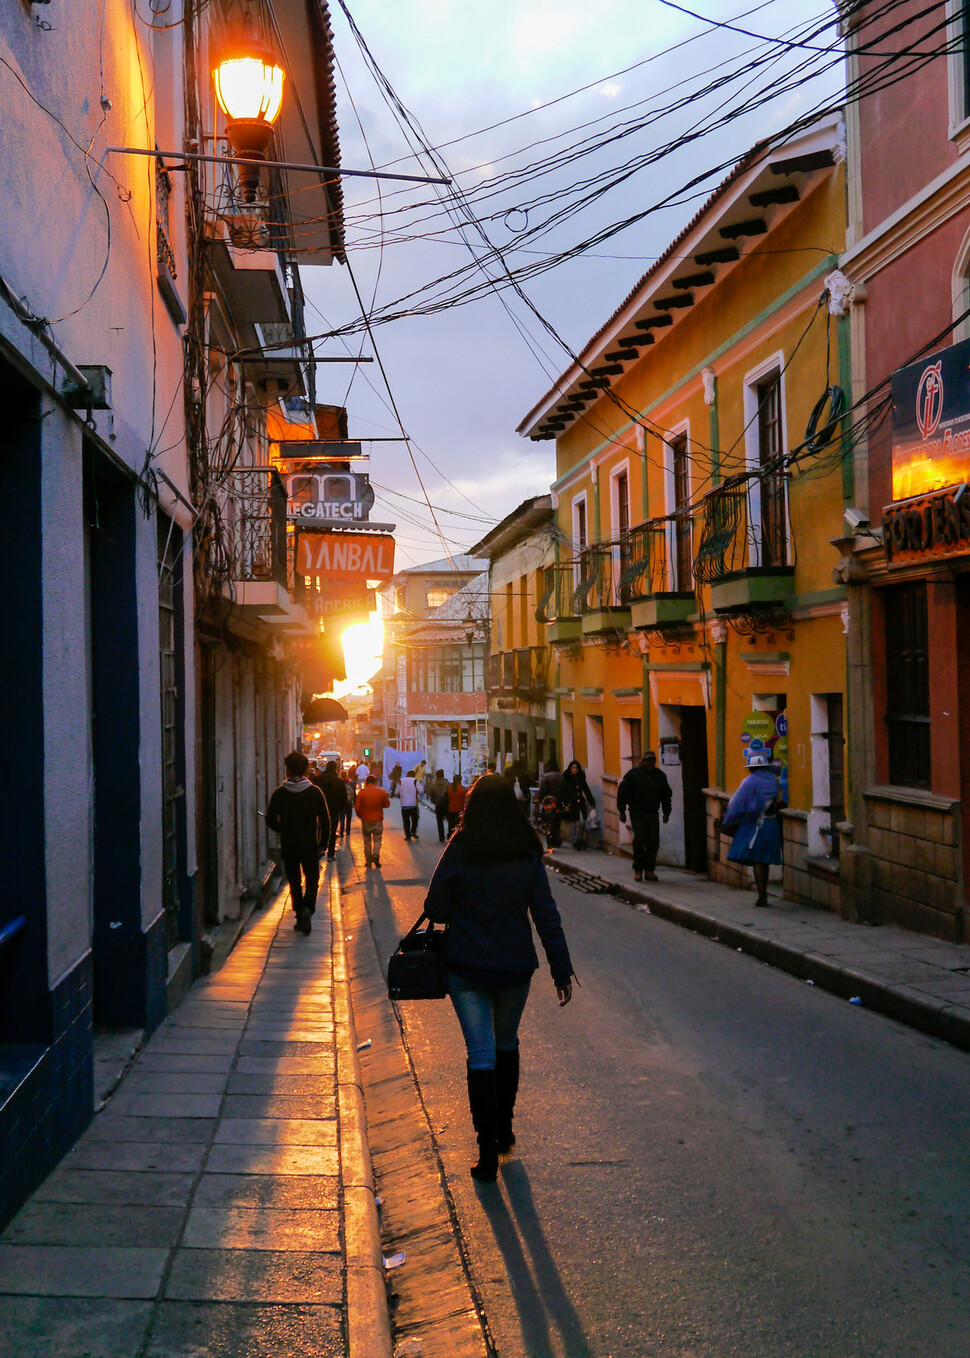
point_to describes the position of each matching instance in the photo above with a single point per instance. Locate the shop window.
(907, 685)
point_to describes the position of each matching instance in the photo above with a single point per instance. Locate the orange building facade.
(700, 483)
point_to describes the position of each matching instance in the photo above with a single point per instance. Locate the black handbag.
(416, 968)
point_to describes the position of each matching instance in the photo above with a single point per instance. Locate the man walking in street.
(332, 787)
(299, 814)
(437, 791)
(408, 792)
(372, 802)
(646, 792)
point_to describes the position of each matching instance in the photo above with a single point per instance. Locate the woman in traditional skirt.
(752, 819)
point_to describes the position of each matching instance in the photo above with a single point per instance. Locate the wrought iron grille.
(257, 514)
(647, 572)
(745, 528)
(557, 596)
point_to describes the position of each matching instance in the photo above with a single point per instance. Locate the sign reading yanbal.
(931, 423)
(345, 556)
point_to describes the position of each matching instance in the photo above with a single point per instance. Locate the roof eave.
(825, 135)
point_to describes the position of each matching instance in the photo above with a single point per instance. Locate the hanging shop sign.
(931, 423)
(340, 601)
(343, 497)
(345, 556)
(927, 527)
(305, 449)
(346, 609)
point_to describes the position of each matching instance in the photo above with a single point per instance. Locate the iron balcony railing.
(557, 599)
(256, 514)
(645, 571)
(745, 528)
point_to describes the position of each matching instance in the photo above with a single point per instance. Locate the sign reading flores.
(347, 556)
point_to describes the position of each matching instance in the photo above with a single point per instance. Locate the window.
(683, 554)
(774, 546)
(523, 610)
(437, 595)
(580, 540)
(907, 685)
(621, 529)
(446, 669)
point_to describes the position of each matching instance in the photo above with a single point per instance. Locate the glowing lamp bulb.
(249, 87)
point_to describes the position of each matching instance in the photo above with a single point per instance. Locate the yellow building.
(692, 608)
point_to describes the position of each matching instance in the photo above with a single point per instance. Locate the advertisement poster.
(931, 423)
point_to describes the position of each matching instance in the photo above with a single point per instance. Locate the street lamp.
(249, 87)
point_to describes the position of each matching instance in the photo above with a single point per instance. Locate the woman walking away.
(488, 882)
(752, 818)
(576, 797)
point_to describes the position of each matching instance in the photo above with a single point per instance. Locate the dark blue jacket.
(487, 908)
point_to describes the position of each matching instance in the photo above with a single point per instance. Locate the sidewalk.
(917, 980)
(222, 1203)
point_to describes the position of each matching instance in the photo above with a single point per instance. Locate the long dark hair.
(492, 828)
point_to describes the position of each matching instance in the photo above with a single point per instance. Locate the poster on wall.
(767, 733)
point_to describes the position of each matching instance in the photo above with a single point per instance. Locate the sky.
(462, 379)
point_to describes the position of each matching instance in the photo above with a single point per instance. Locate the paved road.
(714, 1159)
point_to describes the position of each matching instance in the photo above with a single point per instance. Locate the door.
(693, 758)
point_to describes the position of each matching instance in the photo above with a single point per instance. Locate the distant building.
(410, 598)
(522, 717)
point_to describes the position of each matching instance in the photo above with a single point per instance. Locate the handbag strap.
(414, 927)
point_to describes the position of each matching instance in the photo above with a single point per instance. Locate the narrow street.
(713, 1158)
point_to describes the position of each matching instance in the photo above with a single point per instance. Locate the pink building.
(906, 552)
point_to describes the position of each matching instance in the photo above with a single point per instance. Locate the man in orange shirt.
(370, 805)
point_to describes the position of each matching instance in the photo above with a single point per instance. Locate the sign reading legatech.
(345, 556)
(333, 496)
(931, 423)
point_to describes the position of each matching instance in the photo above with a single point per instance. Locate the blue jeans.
(489, 1018)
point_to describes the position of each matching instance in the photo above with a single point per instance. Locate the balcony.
(558, 609)
(530, 672)
(746, 546)
(648, 582)
(255, 570)
(604, 610)
(519, 674)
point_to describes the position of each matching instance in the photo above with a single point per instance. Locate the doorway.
(693, 758)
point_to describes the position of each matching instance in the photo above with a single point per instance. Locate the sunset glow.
(363, 647)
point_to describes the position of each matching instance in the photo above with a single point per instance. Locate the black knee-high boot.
(506, 1088)
(481, 1101)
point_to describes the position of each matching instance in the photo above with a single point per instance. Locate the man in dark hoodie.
(646, 792)
(298, 812)
(332, 786)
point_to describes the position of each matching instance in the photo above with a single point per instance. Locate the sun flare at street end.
(363, 647)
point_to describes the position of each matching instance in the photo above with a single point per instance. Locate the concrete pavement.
(222, 1203)
(917, 980)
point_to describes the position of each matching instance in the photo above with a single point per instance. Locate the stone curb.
(896, 1001)
(368, 1319)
